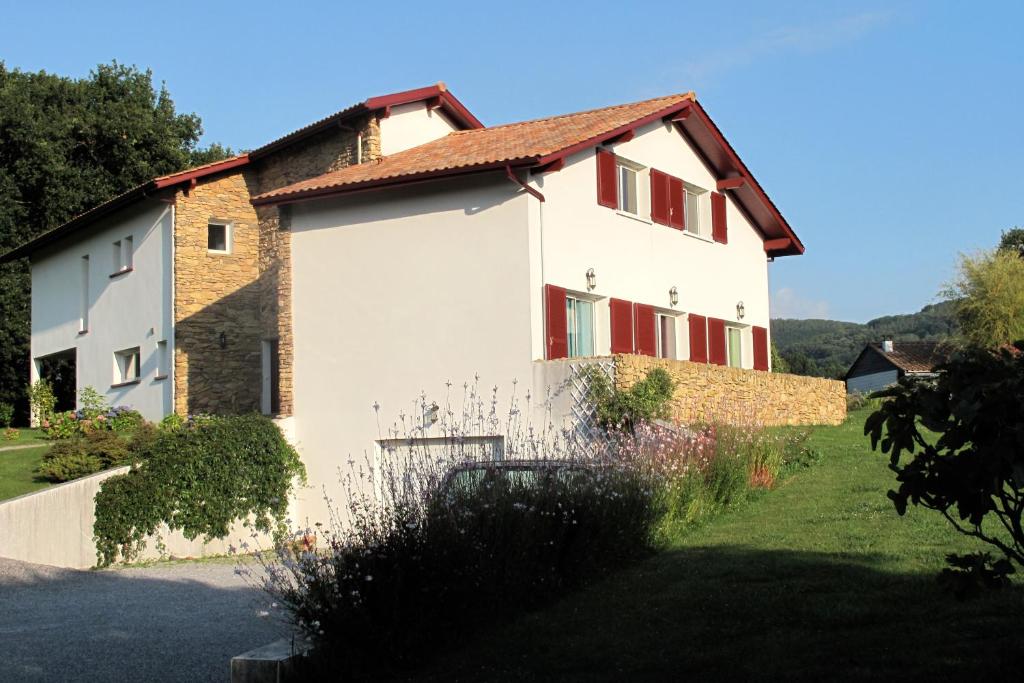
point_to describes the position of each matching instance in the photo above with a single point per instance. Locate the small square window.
(126, 365)
(123, 252)
(218, 237)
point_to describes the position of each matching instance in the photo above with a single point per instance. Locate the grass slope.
(819, 578)
(17, 470)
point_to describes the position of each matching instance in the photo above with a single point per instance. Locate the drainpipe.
(515, 179)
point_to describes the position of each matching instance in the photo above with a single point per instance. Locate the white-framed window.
(124, 254)
(83, 297)
(163, 362)
(218, 237)
(666, 335)
(734, 340)
(127, 365)
(634, 188)
(629, 189)
(697, 215)
(579, 317)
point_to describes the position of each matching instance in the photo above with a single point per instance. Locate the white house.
(398, 247)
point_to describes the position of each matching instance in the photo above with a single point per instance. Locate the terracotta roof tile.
(510, 143)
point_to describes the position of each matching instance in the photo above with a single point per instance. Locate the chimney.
(887, 345)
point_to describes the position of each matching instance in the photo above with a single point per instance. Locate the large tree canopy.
(65, 146)
(989, 294)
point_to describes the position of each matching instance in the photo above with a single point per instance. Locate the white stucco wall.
(131, 309)
(640, 261)
(410, 125)
(396, 294)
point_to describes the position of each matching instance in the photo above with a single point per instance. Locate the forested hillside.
(826, 348)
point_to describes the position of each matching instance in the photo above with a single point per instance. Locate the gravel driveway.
(171, 622)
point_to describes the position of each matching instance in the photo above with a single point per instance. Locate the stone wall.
(225, 305)
(328, 151)
(214, 295)
(740, 396)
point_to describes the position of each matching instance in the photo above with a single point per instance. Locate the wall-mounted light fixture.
(673, 295)
(591, 279)
(223, 340)
(741, 310)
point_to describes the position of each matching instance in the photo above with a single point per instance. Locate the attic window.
(218, 237)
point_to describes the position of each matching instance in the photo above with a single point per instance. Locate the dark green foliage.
(974, 472)
(827, 348)
(67, 145)
(1012, 240)
(198, 479)
(85, 454)
(968, 574)
(431, 574)
(646, 400)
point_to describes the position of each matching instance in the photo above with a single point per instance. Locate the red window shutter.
(677, 203)
(645, 339)
(556, 327)
(659, 197)
(717, 352)
(622, 326)
(607, 180)
(719, 229)
(760, 348)
(698, 338)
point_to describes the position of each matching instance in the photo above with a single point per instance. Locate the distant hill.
(826, 348)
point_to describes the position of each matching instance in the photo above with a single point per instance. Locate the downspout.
(515, 179)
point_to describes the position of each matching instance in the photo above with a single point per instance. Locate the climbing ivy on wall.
(198, 478)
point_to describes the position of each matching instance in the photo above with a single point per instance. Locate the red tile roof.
(538, 143)
(528, 142)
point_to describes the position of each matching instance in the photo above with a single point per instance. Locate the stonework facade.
(216, 299)
(327, 151)
(227, 305)
(738, 396)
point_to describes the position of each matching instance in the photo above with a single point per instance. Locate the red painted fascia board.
(449, 103)
(726, 158)
(384, 183)
(187, 176)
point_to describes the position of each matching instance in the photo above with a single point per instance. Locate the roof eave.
(384, 183)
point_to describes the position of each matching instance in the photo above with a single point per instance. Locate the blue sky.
(889, 134)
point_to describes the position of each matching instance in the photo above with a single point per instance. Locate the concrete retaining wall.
(54, 527)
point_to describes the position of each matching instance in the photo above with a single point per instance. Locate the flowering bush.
(419, 561)
(94, 414)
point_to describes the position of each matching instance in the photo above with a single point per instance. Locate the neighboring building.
(400, 245)
(882, 365)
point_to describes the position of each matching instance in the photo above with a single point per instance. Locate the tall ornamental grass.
(414, 562)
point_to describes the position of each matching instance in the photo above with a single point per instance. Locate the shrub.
(6, 414)
(86, 454)
(199, 480)
(623, 409)
(41, 400)
(12, 434)
(66, 461)
(973, 472)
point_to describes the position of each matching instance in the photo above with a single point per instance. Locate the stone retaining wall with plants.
(738, 396)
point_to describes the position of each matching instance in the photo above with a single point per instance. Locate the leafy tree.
(973, 474)
(989, 294)
(65, 146)
(1012, 240)
(779, 363)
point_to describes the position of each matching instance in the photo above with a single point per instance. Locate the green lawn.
(818, 579)
(17, 469)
